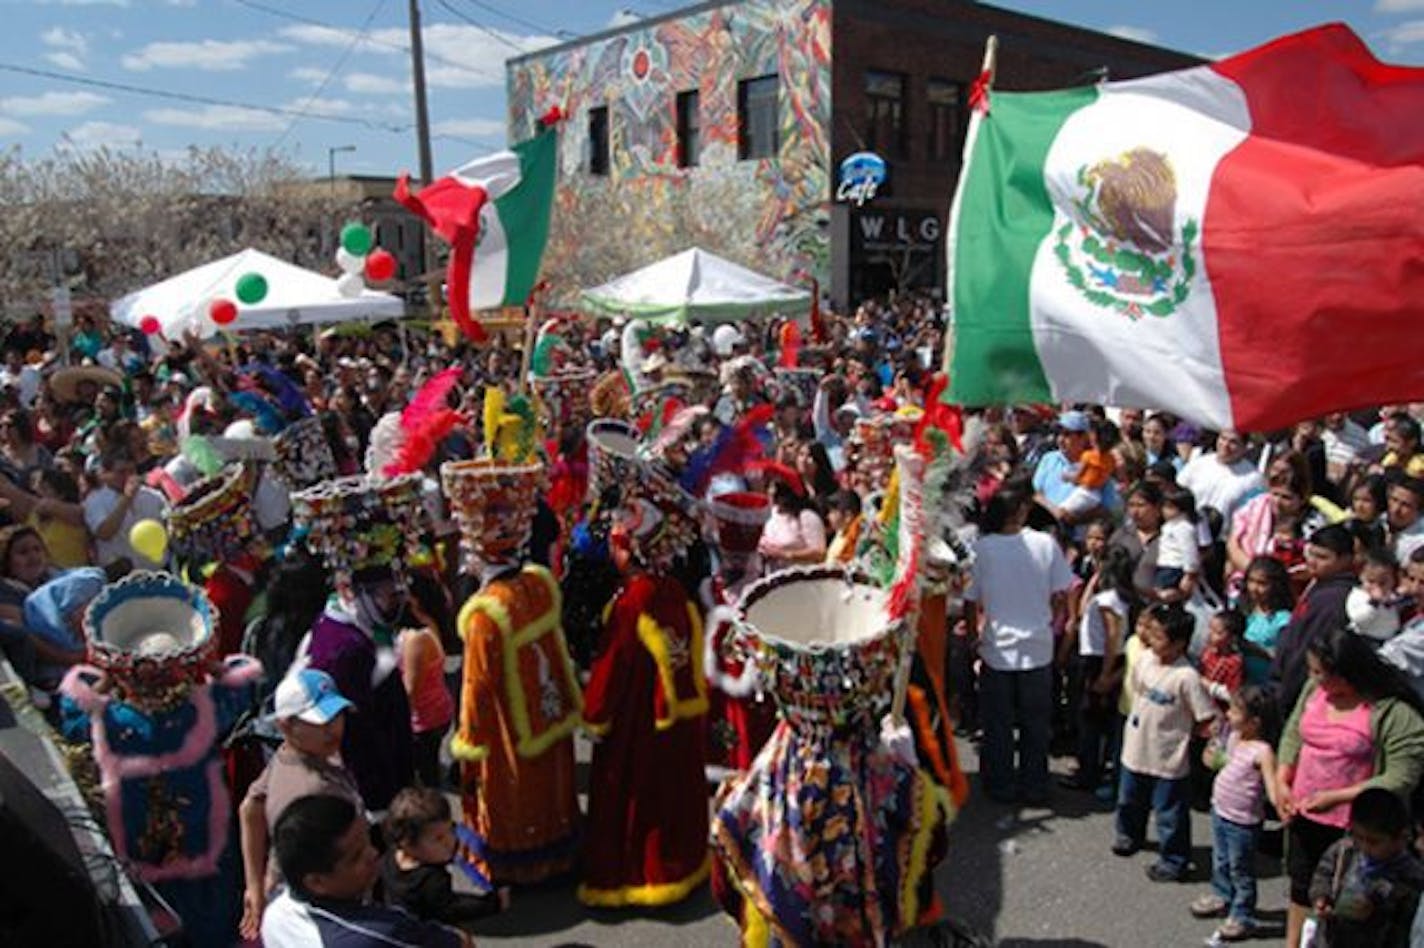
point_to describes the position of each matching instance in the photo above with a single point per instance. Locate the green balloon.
(252, 288)
(356, 238)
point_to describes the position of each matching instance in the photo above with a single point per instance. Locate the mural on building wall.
(771, 215)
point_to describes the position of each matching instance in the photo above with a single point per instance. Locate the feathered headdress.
(405, 443)
(511, 427)
(737, 447)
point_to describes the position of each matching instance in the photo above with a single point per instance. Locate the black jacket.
(426, 892)
(1321, 609)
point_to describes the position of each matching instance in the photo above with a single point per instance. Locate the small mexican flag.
(1240, 243)
(494, 213)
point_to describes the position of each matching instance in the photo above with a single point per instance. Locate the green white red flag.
(1240, 243)
(494, 213)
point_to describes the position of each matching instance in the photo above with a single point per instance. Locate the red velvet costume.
(231, 590)
(740, 715)
(646, 841)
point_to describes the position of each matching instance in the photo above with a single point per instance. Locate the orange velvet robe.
(519, 706)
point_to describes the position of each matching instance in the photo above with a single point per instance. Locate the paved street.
(1025, 878)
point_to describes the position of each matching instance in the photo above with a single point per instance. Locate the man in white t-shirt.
(1344, 442)
(25, 378)
(111, 511)
(1223, 480)
(1019, 587)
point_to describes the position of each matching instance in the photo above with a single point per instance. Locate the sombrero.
(65, 383)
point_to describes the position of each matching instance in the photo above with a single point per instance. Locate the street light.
(331, 163)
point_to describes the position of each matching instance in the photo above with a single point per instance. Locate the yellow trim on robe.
(654, 638)
(662, 893)
(755, 933)
(933, 800)
(511, 640)
(461, 749)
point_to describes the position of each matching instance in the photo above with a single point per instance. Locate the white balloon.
(351, 285)
(349, 262)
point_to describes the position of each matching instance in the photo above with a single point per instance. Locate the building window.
(946, 119)
(598, 140)
(885, 111)
(758, 122)
(689, 129)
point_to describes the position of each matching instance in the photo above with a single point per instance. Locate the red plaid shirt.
(1227, 668)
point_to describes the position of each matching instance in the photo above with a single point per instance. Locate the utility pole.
(422, 134)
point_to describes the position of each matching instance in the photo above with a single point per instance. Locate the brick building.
(723, 125)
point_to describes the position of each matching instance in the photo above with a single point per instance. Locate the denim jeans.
(1009, 699)
(1139, 793)
(1233, 865)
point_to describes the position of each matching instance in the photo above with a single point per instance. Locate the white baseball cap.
(311, 696)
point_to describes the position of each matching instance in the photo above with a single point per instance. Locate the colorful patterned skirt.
(828, 839)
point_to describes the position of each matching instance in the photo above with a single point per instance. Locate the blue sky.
(344, 64)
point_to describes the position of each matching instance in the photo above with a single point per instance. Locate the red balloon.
(380, 266)
(223, 311)
(150, 325)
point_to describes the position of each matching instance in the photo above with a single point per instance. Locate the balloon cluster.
(359, 263)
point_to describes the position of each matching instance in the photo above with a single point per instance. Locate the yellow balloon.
(149, 539)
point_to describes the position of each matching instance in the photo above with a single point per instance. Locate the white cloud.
(1138, 34)
(623, 17)
(477, 56)
(59, 38)
(11, 127)
(1398, 6)
(66, 61)
(320, 106)
(308, 74)
(67, 48)
(208, 55)
(1405, 34)
(220, 118)
(366, 83)
(237, 119)
(100, 134)
(470, 128)
(52, 103)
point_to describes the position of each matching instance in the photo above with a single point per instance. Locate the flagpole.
(978, 108)
(531, 316)
(531, 326)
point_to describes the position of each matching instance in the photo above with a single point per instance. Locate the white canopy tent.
(696, 286)
(295, 296)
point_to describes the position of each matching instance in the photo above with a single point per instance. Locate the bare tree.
(110, 221)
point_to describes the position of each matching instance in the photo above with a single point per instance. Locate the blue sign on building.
(861, 174)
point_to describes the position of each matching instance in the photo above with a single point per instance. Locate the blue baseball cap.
(310, 695)
(1076, 421)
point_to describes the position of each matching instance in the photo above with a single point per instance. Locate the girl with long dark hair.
(1267, 598)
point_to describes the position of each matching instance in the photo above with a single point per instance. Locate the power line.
(490, 8)
(335, 68)
(347, 31)
(199, 99)
(480, 26)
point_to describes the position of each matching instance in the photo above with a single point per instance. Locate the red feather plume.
(433, 396)
(421, 444)
(426, 421)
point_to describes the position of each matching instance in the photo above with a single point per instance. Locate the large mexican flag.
(494, 213)
(1240, 243)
